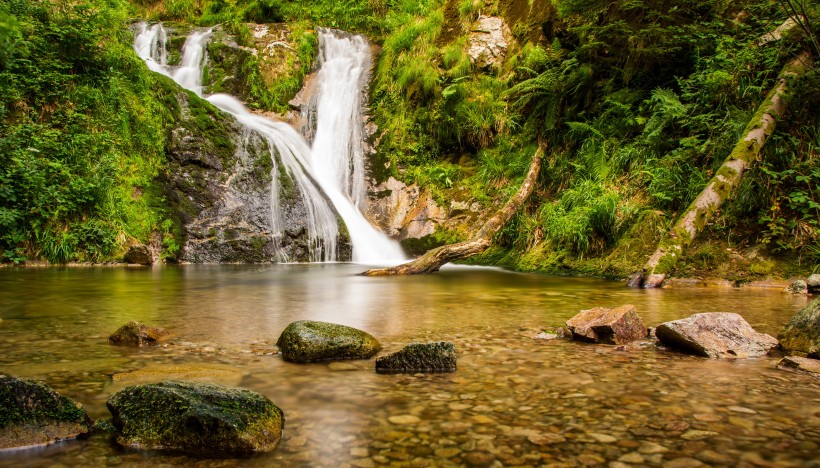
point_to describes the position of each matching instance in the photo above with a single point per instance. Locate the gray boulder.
(32, 413)
(613, 326)
(420, 357)
(715, 335)
(195, 418)
(310, 341)
(138, 334)
(802, 334)
(813, 283)
(798, 287)
(138, 254)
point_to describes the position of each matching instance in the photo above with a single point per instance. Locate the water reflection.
(515, 400)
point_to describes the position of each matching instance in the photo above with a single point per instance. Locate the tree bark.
(434, 259)
(725, 180)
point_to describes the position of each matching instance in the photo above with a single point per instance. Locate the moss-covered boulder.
(420, 357)
(195, 418)
(309, 341)
(32, 413)
(802, 334)
(138, 334)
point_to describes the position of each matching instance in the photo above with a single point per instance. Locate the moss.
(310, 341)
(420, 357)
(802, 334)
(28, 402)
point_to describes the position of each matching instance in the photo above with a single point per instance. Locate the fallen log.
(434, 259)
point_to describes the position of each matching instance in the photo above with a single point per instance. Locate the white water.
(337, 156)
(336, 163)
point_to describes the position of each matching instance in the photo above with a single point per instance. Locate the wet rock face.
(310, 341)
(218, 183)
(488, 42)
(420, 357)
(802, 334)
(138, 334)
(195, 418)
(404, 211)
(715, 335)
(32, 413)
(139, 255)
(612, 326)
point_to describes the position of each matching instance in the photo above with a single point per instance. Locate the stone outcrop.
(310, 341)
(715, 335)
(802, 334)
(420, 357)
(138, 334)
(800, 364)
(139, 255)
(404, 211)
(195, 418)
(488, 42)
(612, 326)
(32, 413)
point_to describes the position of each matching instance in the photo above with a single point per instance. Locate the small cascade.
(337, 155)
(341, 178)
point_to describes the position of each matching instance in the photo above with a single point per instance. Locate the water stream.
(515, 400)
(335, 162)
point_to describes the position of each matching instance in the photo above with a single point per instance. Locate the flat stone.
(697, 435)
(420, 357)
(714, 458)
(715, 335)
(683, 462)
(546, 438)
(612, 326)
(404, 419)
(800, 364)
(479, 459)
(448, 452)
(741, 409)
(603, 438)
(632, 457)
(651, 448)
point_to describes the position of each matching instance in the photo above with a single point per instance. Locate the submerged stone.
(310, 341)
(32, 413)
(715, 335)
(420, 357)
(802, 334)
(613, 326)
(800, 364)
(138, 334)
(195, 418)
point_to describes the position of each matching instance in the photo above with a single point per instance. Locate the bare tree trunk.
(720, 187)
(434, 259)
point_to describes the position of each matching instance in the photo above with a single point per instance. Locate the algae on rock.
(310, 341)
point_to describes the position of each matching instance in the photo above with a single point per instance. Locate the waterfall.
(337, 155)
(344, 189)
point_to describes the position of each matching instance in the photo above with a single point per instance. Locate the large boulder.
(32, 413)
(613, 326)
(420, 357)
(138, 334)
(802, 334)
(195, 418)
(715, 335)
(310, 341)
(813, 283)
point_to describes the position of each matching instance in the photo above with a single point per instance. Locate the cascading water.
(337, 155)
(369, 245)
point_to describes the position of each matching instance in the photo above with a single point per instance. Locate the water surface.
(515, 400)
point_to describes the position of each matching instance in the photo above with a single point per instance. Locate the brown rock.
(800, 364)
(138, 254)
(137, 334)
(613, 326)
(715, 335)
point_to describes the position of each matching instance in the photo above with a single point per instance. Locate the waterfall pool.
(515, 400)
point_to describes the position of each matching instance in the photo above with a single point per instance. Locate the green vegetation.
(639, 103)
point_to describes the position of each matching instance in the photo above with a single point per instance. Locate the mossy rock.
(137, 334)
(32, 413)
(195, 418)
(802, 334)
(309, 341)
(420, 357)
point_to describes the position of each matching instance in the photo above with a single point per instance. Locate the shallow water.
(515, 400)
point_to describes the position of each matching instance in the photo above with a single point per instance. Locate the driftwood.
(725, 180)
(434, 259)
